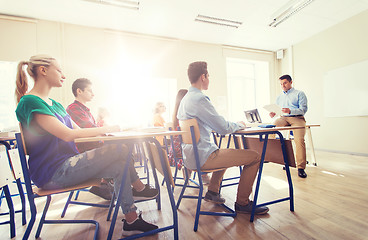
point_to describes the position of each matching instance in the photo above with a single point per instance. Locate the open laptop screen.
(253, 116)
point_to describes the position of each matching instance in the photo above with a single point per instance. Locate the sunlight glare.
(275, 182)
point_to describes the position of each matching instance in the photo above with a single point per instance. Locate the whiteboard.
(346, 91)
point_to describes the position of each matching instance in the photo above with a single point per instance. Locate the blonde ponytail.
(33, 63)
(21, 81)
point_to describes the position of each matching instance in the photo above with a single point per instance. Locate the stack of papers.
(274, 108)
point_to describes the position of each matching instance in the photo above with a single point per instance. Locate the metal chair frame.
(7, 178)
(174, 226)
(199, 197)
(32, 195)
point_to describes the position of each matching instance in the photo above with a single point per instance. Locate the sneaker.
(104, 191)
(214, 197)
(147, 193)
(206, 179)
(248, 209)
(138, 226)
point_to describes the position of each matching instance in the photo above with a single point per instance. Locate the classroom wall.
(97, 53)
(339, 46)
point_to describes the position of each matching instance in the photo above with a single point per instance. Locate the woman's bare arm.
(53, 126)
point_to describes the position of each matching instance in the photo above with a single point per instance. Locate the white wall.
(98, 54)
(339, 46)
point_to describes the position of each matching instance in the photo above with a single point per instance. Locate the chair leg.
(183, 188)
(67, 203)
(11, 211)
(32, 220)
(42, 220)
(1, 196)
(77, 195)
(23, 201)
(200, 194)
(147, 171)
(111, 207)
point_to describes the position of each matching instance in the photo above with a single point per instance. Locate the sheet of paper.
(274, 108)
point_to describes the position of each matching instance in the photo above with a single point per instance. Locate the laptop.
(253, 118)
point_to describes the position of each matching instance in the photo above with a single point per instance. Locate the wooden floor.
(332, 203)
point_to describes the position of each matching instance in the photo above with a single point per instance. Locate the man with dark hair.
(197, 105)
(294, 105)
(81, 115)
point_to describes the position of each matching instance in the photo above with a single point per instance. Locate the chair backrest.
(23, 160)
(185, 126)
(6, 174)
(157, 160)
(23, 141)
(15, 163)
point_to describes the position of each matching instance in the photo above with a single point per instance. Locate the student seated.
(81, 115)
(197, 105)
(158, 119)
(49, 132)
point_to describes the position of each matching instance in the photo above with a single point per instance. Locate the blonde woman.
(54, 161)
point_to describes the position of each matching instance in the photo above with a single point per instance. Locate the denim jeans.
(104, 162)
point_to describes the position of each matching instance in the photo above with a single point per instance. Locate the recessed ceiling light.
(288, 10)
(218, 21)
(134, 5)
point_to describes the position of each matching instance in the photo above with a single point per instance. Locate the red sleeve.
(82, 118)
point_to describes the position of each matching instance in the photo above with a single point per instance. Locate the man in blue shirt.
(294, 105)
(197, 105)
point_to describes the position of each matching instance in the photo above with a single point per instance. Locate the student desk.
(7, 141)
(309, 134)
(130, 138)
(263, 134)
(310, 140)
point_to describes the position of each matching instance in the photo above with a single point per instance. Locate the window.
(132, 101)
(8, 120)
(248, 87)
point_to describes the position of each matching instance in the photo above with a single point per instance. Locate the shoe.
(138, 226)
(206, 179)
(302, 173)
(104, 191)
(147, 193)
(248, 209)
(214, 197)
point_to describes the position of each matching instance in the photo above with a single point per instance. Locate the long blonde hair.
(33, 63)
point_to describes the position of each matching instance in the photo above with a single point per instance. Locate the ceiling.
(175, 18)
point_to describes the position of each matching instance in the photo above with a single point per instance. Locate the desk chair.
(6, 177)
(143, 161)
(33, 192)
(175, 156)
(191, 136)
(17, 170)
(152, 149)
